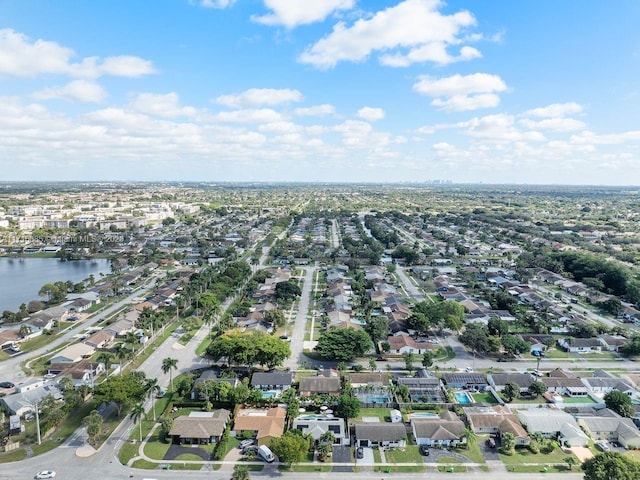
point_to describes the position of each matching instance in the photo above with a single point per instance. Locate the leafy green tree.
(611, 466)
(240, 472)
(275, 316)
(498, 326)
(124, 391)
(348, 406)
(619, 402)
(288, 290)
(537, 388)
(419, 322)
(511, 391)
(343, 344)
(93, 422)
(513, 344)
(427, 359)
(409, 358)
(508, 446)
(476, 337)
(290, 448)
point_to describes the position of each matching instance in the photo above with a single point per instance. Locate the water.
(22, 278)
(462, 397)
(424, 415)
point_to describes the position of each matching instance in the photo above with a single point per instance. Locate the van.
(266, 454)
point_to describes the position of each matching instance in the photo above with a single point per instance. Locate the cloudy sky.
(497, 91)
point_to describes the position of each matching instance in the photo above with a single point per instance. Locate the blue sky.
(320, 90)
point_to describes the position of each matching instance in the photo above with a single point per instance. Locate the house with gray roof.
(465, 380)
(499, 380)
(24, 401)
(607, 425)
(319, 384)
(276, 382)
(444, 430)
(552, 423)
(381, 434)
(318, 425)
(199, 428)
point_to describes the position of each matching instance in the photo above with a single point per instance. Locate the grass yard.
(484, 398)
(555, 353)
(13, 456)
(156, 448)
(539, 468)
(410, 454)
(601, 357)
(452, 468)
(523, 455)
(473, 452)
(384, 414)
(127, 452)
(579, 400)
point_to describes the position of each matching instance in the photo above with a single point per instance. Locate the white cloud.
(415, 29)
(260, 96)
(262, 115)
(217, 3)
(557, 124)
(555, 110)
(292, 13)
(161, 105)
(316, 110)
(76, 91)
(462, 92)
(459, 85)
(371, 114)
(499, 128)
(22, 57)
(461, 103)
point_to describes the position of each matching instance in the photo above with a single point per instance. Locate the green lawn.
(13, 456)
(571, 400)
(523, 455)
(410, 454)
(452, 468)
(484, 398)
(540, 400)
(602, 357)
(384, 414)
(473, 452)
(156, 448)
(539, 468)
(555, 353)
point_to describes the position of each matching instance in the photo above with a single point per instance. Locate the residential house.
(212, 376)
(199, 428)
(272, 382)
(372, 434)
(100, 339)
(552, 423)
(318, 425)
(264, 424)
(24, 401)
(572, 387)
(401, 344)
(581, 345)
(121, 327)
(73, 353)
(319, 384)
(605, 424)
(604, 385)
(362, 379)
(443, 430)
(613, 343)
(423, 389)
(499, 380)
(496, 420)
(82, 373)
(474, 381)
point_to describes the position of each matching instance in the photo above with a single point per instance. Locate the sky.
(500, 91)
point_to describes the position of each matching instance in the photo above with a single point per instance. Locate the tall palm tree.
(106, 358)
(471, 437)
(152, 388)
(168, 365)
(137, 414)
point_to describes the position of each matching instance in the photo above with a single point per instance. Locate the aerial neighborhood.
(396, 330)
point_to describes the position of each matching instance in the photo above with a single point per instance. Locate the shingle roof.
(381, 432)
(200, 427)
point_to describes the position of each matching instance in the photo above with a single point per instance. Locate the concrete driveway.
(341, 454)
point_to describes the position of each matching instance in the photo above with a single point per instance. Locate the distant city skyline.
(336, 91)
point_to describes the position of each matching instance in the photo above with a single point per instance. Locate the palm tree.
(106, 358)
(471, 437)
(25, 331)
(137, 414)
(152, 388)
(168, 365)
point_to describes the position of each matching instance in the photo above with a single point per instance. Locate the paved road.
(297, 336)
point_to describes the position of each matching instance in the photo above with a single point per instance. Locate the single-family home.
(499, 380)
(401, 344)
(264, 424)
(272, 382)
(381, 434)
(552, 423)
(496, 420)
(100, 339)
(24, 401)
(572, 387)
(199, 428)
(120, 327)
(444, 430)
(423, 389)
(73, 353)
(581, 345)
(318, 425)
(362, 379)
(613, 343)
(605, 424)
(320, 384)
(468, 380)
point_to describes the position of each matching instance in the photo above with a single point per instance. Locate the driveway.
(341, 454)
(176, 450)
(367, 456)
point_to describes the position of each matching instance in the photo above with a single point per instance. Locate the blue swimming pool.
(423, 415)
(269, 394)
(374, 399)
(463, 398)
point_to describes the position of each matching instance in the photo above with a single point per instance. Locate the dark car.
(6, 385)
(360, 452)
(424, 450)
(491, 443)
(502, 359)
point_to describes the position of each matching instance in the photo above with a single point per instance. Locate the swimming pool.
(463, 398)
(423, 415)
(374, 399)
(269, 394)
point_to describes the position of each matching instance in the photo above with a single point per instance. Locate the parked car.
(46, 474)
(491, 443)
(360, 452)
(424, 450)
(245, 443)
(266, 454)
(6, 385)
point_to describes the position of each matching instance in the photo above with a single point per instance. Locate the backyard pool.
(269, 394)
(374, 399)
(423, 415)
(463, 398)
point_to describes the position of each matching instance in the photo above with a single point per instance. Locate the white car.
(245, 444)
(46, 474)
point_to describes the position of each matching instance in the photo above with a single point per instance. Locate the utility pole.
(38, 424)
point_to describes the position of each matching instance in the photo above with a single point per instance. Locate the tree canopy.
(241, 349)
(343, 344)
(611, 465)
(123, 390)
(619, 402)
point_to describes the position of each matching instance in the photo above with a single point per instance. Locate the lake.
(22, 278)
